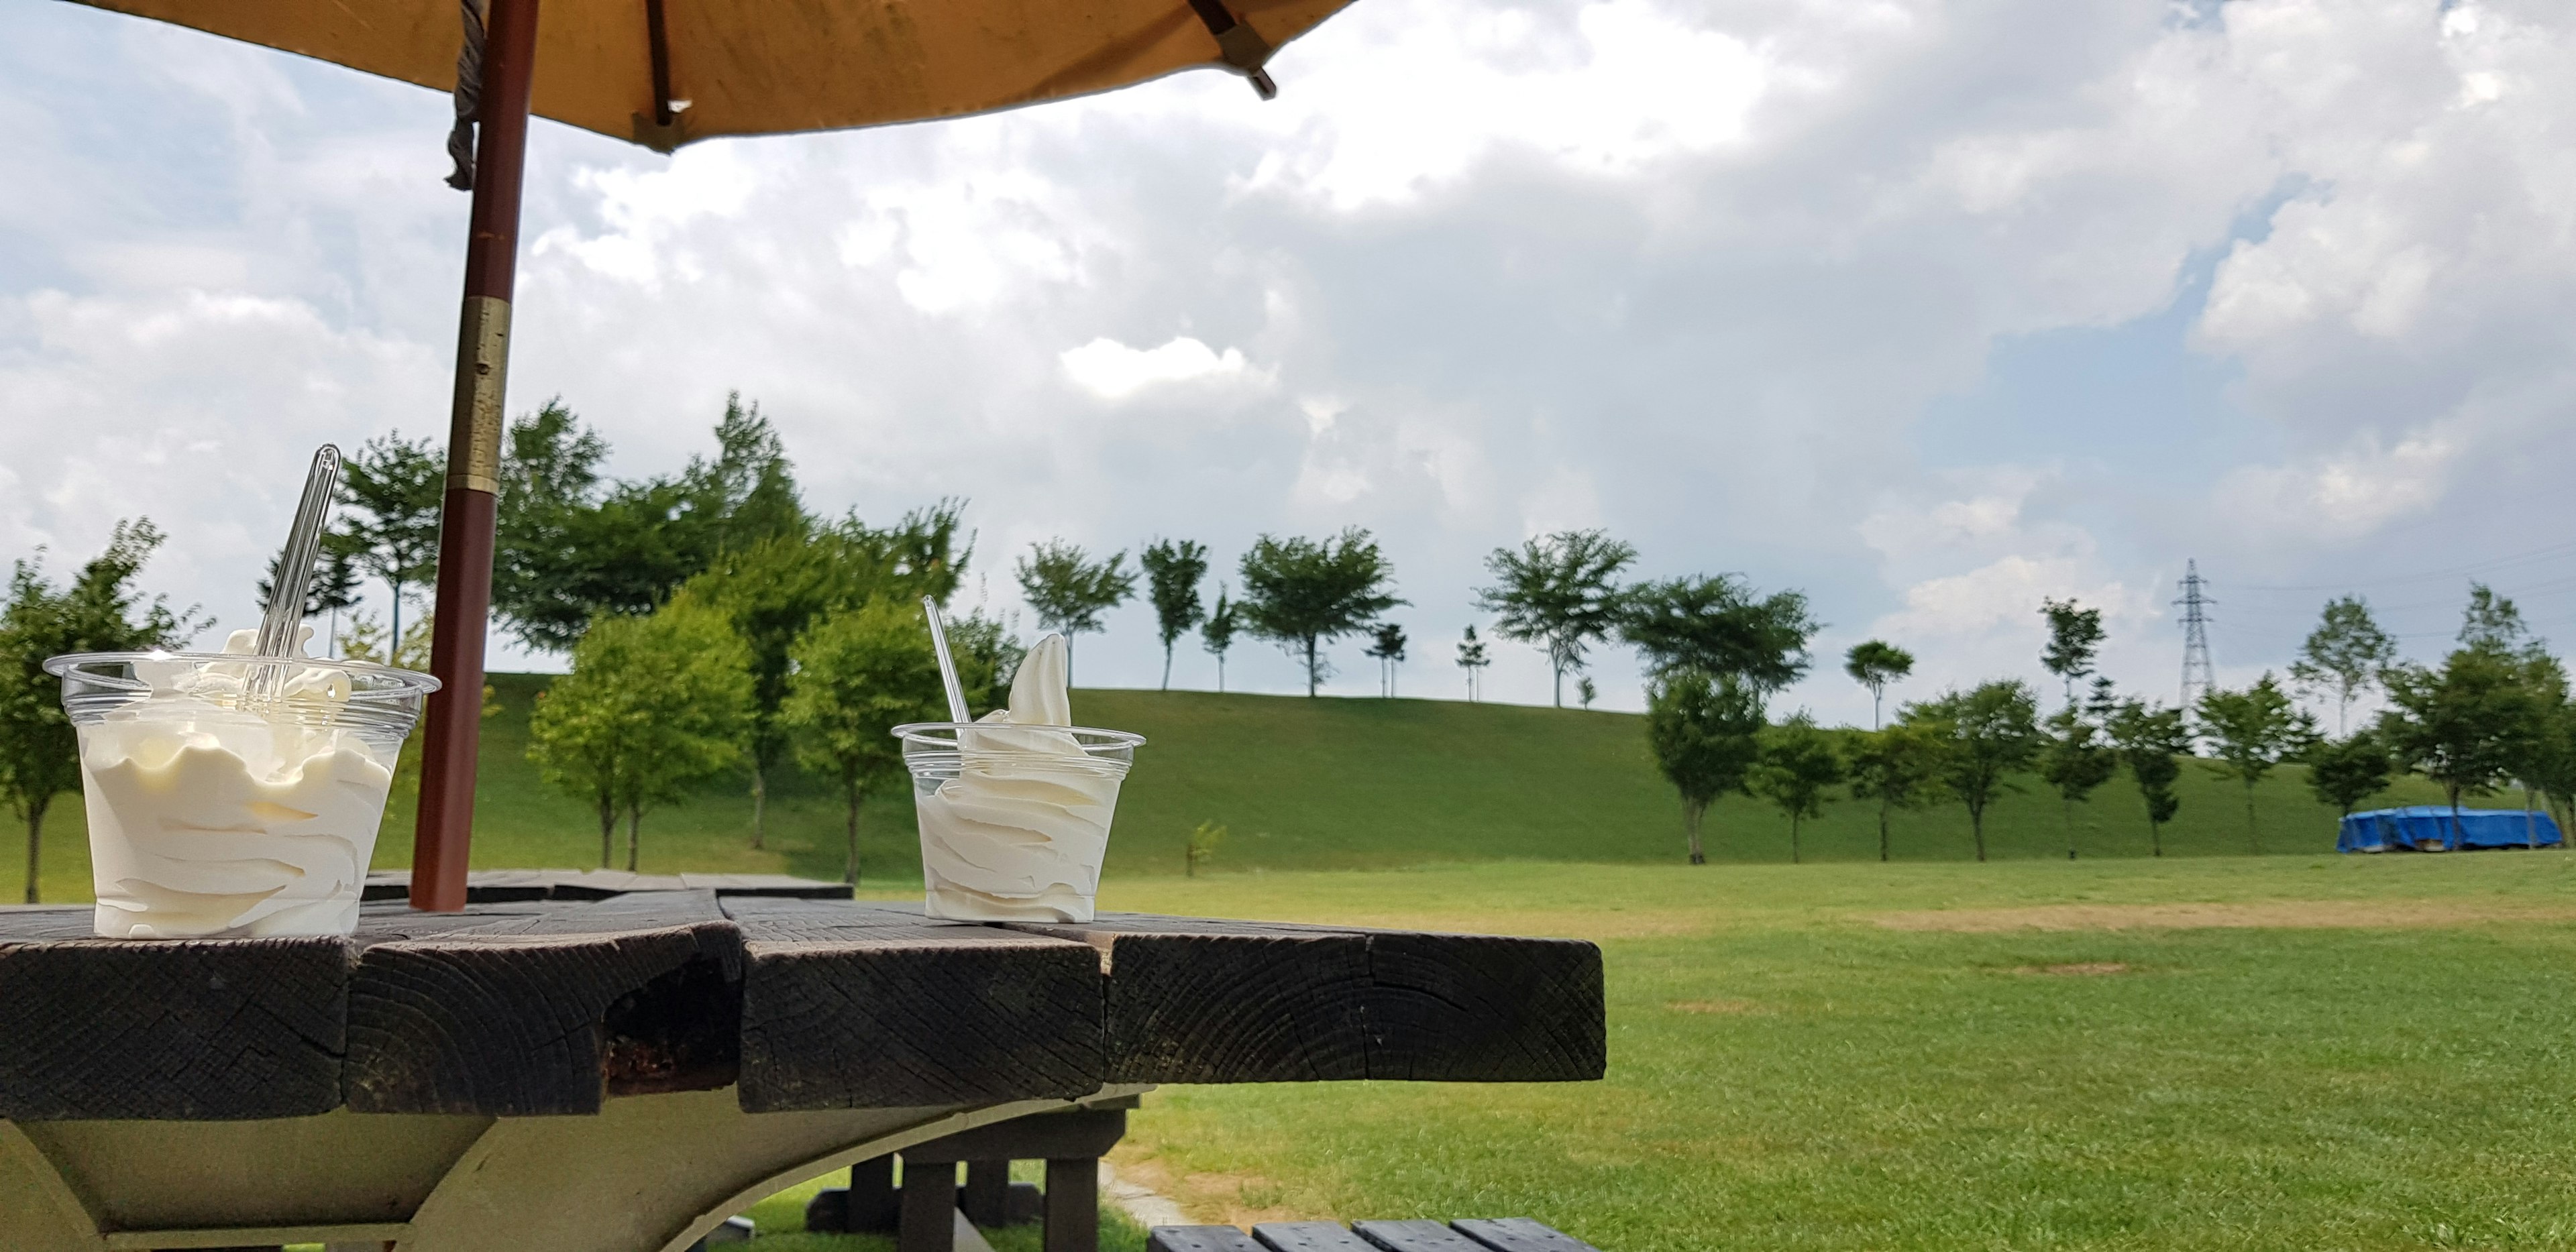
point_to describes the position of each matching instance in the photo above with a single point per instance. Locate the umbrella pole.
(445, 829)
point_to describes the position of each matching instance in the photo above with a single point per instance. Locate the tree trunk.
(634, 833)
(2156, 835)
(607, 831)
(1690, 818)
(2530, 824)
(850, 830)
(35, 843)
(2253, 834)
(1559, 671)
(2454, 790)
(1793, 840)
(1220, 673)
(759, 802)
(1977, 828)
(1167, 665)
(1312, 678)
(393, 646)
(1882, 829)
(2066, 809)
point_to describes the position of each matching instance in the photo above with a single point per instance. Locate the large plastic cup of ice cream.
(1014, 819)
(233, 795)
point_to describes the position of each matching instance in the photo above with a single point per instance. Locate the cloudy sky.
(1930, 309)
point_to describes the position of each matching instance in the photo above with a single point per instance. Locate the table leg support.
(1072, 1205)
(929, 1208)
(987, 1200)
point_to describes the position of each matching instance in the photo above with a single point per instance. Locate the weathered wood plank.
(1518, 1234)
(186, 1029)
(857, 1006)
(1199, 1239)
(1214, 1001)
(1415, 1236)
(1309, 1237)
(525, 1010)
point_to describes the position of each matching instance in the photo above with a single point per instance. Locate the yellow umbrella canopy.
(618, 67)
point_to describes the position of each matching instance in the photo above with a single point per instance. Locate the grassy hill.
(1325, 784)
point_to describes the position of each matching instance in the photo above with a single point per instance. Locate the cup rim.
(918, 732)
(401, 681)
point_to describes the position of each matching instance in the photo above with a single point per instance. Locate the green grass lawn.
(1320, 784)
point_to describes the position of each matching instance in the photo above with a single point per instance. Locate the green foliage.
(859, 674)
(2077, 755)
(335, 577)
(1301, 593)
(99, 612)
(1716, 625)
(1223, 622)
(2492, 623)
(2152, 741)
(1201, 848)
(1985, 736)
(774, 588)
(1173, 571)
(1386, 647)
(653, 706)
(1705, 734)
(1796, 766)
(1557, 591)
(2346, 772)
(1874, 663)
(1473, 659)
(2074, 639)
(747, 493)
(1900, 767)
(2252, 731)
(2456, 725)
(550, 481)
(2344, 655)
(1068, 590)
(398, 488)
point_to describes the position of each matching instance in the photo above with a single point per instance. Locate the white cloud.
(1113, 371)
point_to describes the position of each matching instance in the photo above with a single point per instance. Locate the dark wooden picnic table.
(620, 1073)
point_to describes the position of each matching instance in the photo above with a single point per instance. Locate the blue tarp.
(2429, 828)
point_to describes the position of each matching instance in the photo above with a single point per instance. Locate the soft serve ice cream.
(1019, 833)
(210, 814)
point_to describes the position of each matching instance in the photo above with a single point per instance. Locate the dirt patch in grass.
(2076, 969)
(2266, 914)
(1217, 1199)
(1715, 1006)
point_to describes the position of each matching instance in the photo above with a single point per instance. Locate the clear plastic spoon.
(295, 574)
(947, 662)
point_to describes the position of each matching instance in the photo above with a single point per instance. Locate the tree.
(1219, 629)
(1584, 692)
(2457, 725)
(2074, 639)
(747, 493)
(1173, 570)
(334, 585)
(1874, 663)
(774, 588)
(398, 488)
(99, 612)
(1984, 735)
(1705, 733)
(1068, 590)
(653, 706)
(1300, 593)
(2077, 757)
(1472, 658)
(2492, 623)
(859, 674)
(2344, 655)
(2152, 741)
(1795, 766)
(1898, 766)
(550, 482)
(1388, 648)
(1557, 592)
(2252, 731)
(1717, 625)
(1200, 847)
(2347, 771)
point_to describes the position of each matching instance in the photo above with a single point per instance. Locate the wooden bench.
(920, 1213)
(1467, 1234)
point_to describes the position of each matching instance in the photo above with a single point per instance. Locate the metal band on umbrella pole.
(445, 832)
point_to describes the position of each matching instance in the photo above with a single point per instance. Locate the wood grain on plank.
(1415, 1236)
(519, 1011)
(859, 1006)
(1199, 1239)
(1518, 1234)
(1215, 1001)
(1309, 1237)
(182, 1029)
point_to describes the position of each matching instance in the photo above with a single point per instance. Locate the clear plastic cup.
(1014, 819)
(214, 812)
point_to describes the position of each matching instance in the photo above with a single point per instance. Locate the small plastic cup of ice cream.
(1014, 819)
(233, 795)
